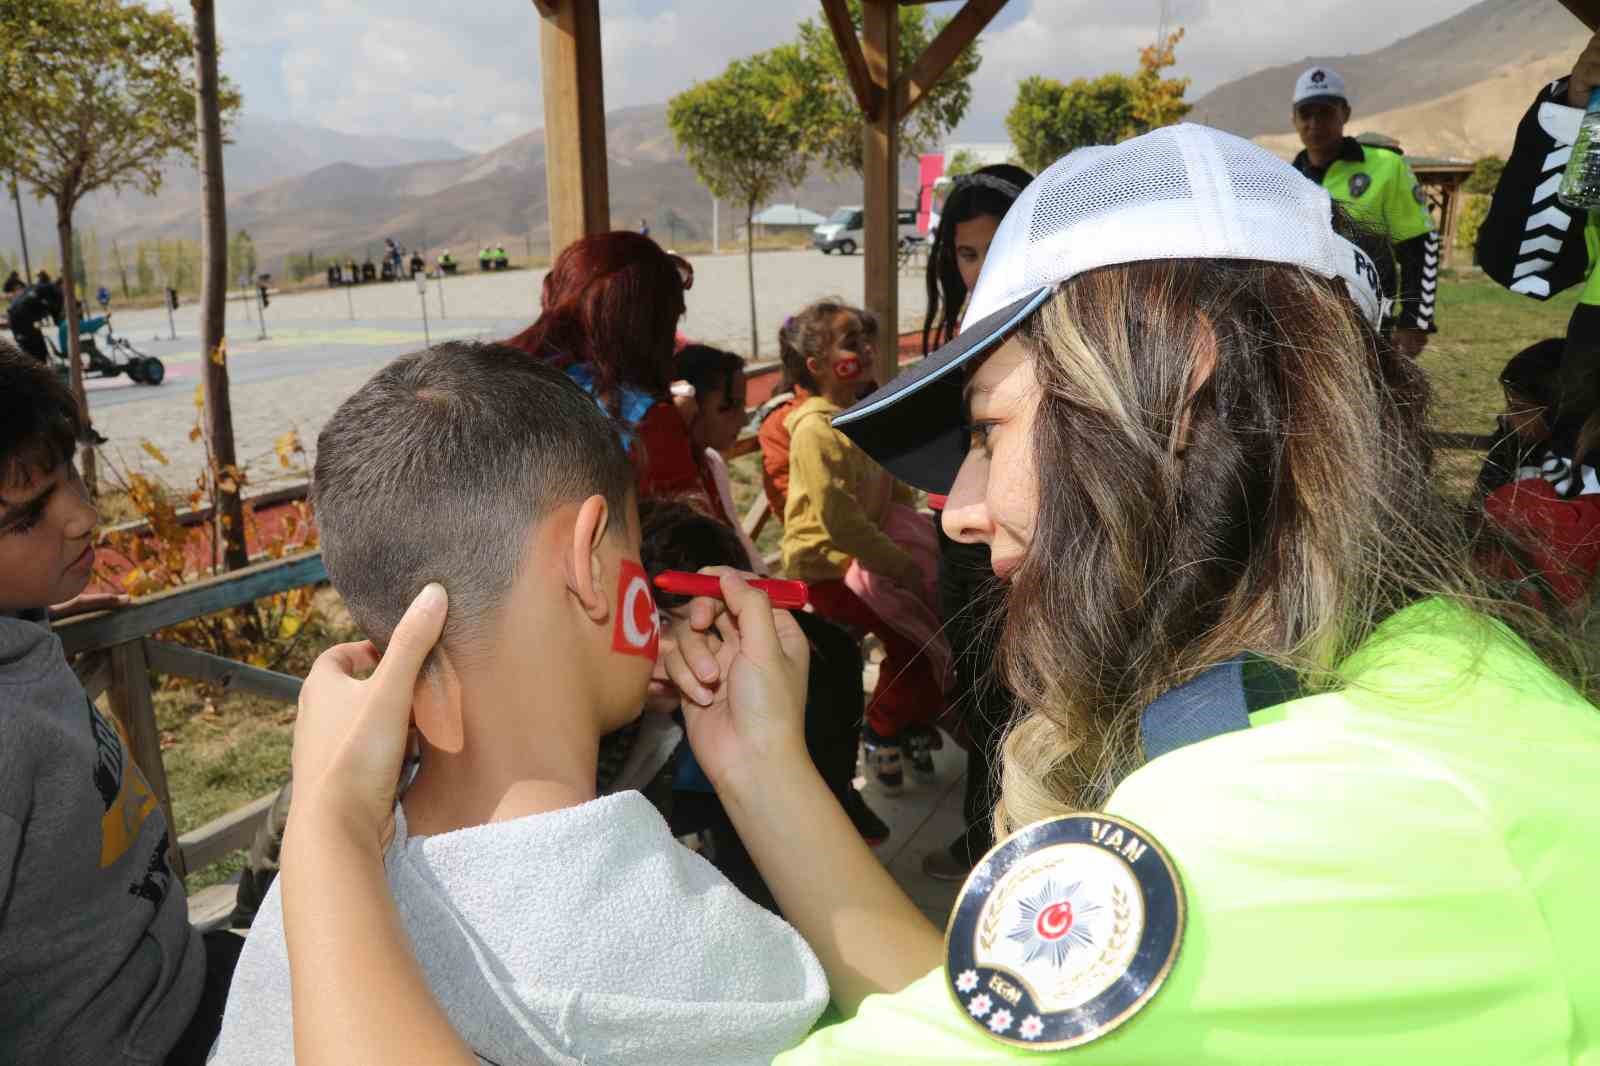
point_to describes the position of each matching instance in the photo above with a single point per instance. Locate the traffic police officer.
(1377, 187)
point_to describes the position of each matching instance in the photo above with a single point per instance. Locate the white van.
(842, 232)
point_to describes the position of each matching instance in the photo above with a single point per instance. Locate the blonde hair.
(1300, 513)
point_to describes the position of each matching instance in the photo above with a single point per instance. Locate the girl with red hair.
(610, 309)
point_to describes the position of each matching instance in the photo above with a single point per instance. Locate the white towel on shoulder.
(585, 935)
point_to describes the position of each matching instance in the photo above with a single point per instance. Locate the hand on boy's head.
(351, 735)
(89, 602)
(742, 667)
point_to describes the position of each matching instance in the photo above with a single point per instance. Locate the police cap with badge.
(1068, 928)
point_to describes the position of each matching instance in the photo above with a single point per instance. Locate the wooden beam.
(203, 846)
(868, 95)
(574, 121)
(165, 658)
(131, 703)
(1588, 11)
(94, 674)
(880, 25)
(106, 628)
(960, 31)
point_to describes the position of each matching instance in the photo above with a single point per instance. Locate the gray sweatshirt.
(585, 935)
(98, 963)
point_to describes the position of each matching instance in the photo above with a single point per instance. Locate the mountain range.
(1455, 89)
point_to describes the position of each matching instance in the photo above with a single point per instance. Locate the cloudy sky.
(467, 71)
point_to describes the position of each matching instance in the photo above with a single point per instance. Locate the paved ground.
(322, 345)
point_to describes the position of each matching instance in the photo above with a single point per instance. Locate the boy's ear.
(586, 574)
(436, 703)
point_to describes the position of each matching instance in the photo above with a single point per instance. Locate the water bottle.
(1580, 184)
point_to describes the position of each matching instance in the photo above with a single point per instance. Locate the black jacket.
(1533, 244)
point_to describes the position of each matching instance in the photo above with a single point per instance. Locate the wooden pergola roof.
(575, 130)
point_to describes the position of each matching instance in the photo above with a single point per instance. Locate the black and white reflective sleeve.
(1530, 242)
(1419, 282)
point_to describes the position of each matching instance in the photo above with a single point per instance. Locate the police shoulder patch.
(1064, 931)
(1360, 182)
(1418, 195)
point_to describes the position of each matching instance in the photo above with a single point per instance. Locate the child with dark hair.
(1537, 485)
(970, 597)
(554, 925)
(850, 530)
(674, 536)
(795, 388)
(717, 378)
(97, 957)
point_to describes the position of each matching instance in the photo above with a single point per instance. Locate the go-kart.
(120, 357)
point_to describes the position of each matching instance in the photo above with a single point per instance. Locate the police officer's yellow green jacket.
(1402, 871)
(1377, 187)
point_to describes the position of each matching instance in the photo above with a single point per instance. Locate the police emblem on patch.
(1359, 184)
(1418, 195)
(1064, 931)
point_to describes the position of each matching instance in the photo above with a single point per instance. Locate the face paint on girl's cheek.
(637, 631)
(847, 368)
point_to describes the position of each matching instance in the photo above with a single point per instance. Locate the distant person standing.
(644, 227)
(28, 309)
(14, 284)
(1378, 189)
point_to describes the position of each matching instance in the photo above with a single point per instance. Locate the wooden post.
(574, 120)
(130, 702)
(1449, 222)
(228, 525)
(880, 33)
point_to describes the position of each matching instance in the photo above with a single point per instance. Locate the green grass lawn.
(223, 753)
(1482, 325)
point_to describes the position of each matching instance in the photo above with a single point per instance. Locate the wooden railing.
(116, 652)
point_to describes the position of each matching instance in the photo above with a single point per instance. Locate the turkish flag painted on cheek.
(636, 630)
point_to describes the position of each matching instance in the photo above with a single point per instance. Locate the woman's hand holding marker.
(742, 668)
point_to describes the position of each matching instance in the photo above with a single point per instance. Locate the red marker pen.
(788, 595)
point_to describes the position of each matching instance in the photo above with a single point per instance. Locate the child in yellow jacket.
(834, 515)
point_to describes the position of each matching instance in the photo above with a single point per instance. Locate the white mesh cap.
(1181, 192)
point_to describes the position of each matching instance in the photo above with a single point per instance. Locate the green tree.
(241, 256)
(1158, 101)
(98, 95)
(1485, 176)
(142, 270)
(121, 268)
(741, 132)
(1051, 118)
(833, 120)
(80, 266)
(961, 162)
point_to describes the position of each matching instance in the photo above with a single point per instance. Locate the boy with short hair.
(98, 962)
(554, 926)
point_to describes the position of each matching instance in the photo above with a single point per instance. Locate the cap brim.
(915, 426)
(1320, 98)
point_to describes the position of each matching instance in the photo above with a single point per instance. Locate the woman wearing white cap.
(1341, 793)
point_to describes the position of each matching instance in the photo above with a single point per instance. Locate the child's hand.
(742, 668)
(351, 735)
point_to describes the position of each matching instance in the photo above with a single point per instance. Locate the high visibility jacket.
(1399, 871)
(1378, 189)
